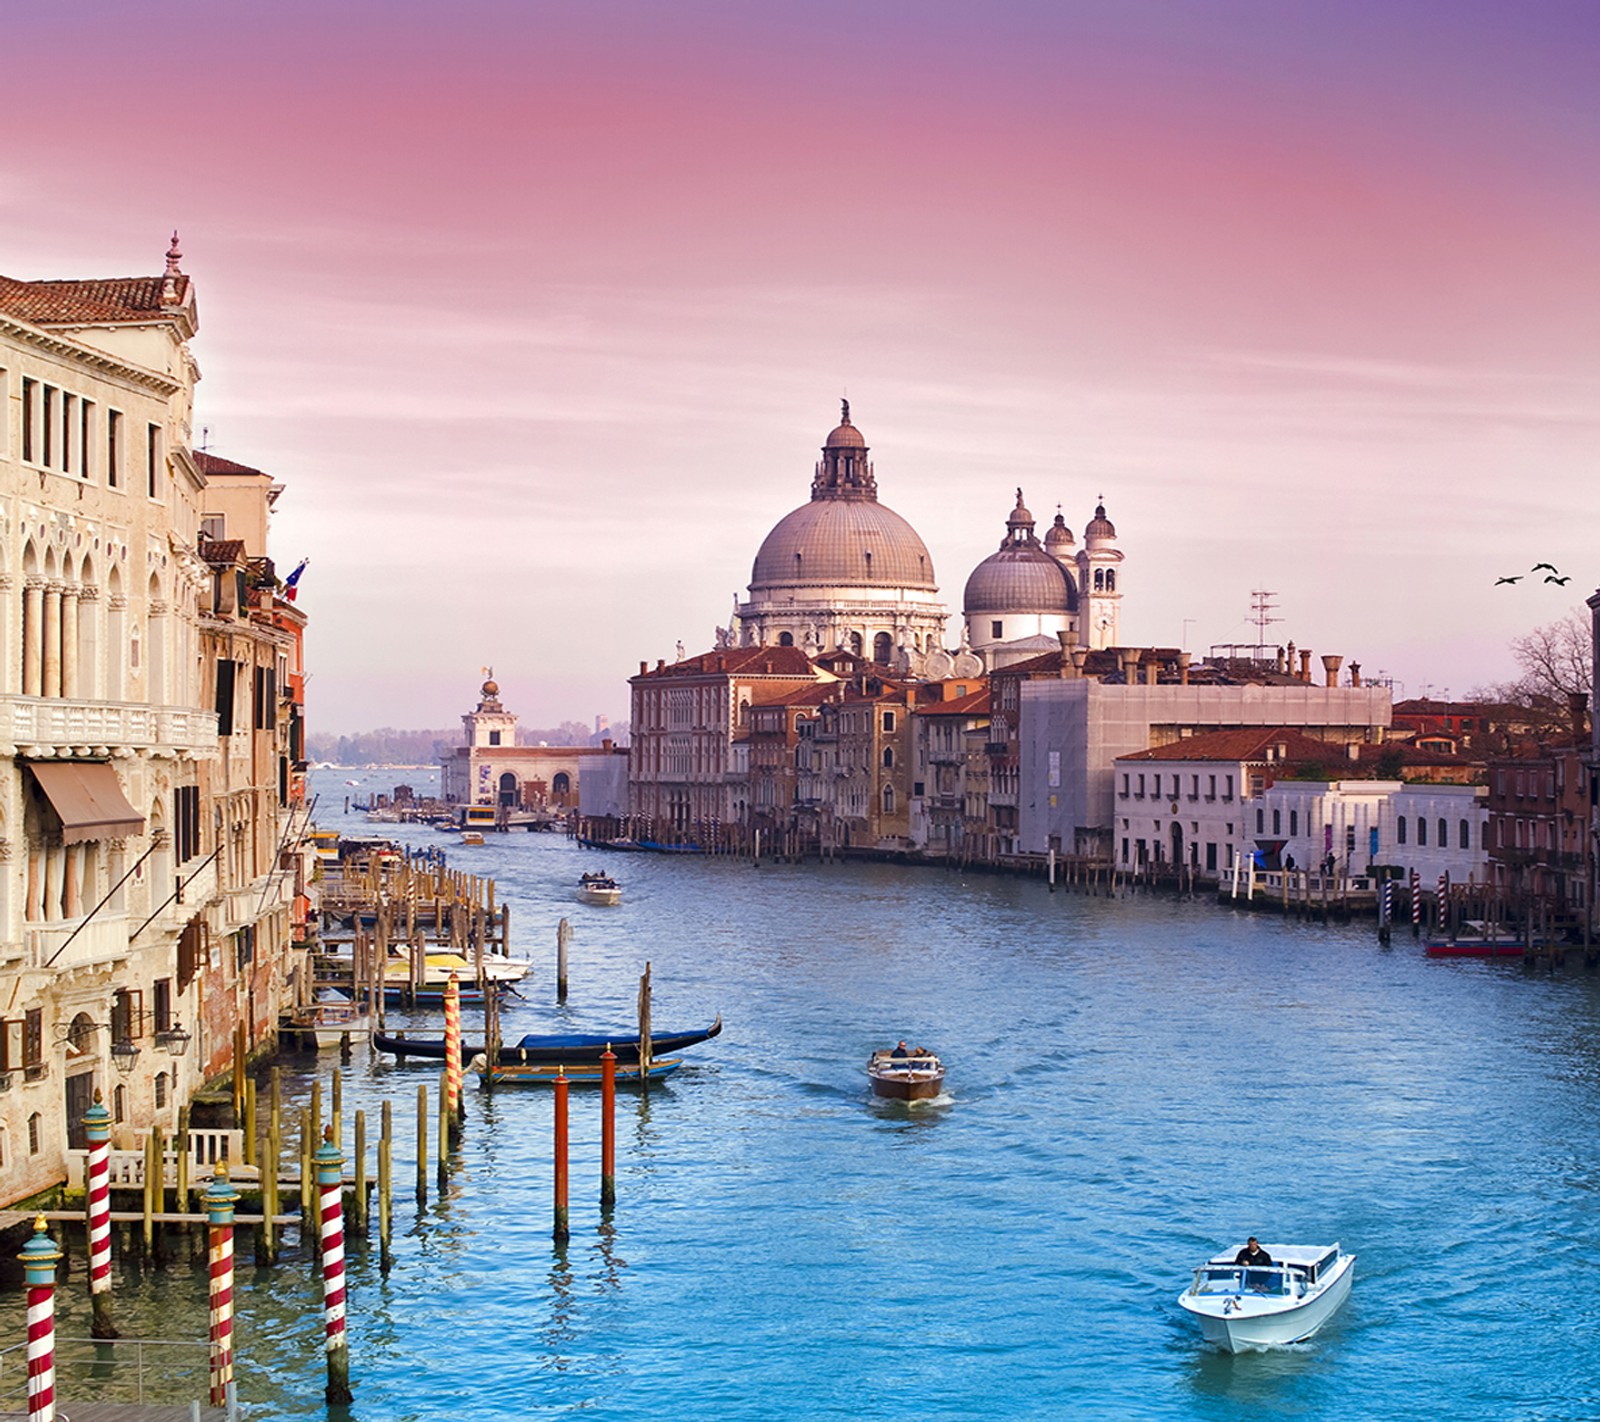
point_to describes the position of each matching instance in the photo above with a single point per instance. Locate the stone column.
(32, 636)
(69, 642)
(51, 646)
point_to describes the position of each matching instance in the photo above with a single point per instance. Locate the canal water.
(1133, 1084)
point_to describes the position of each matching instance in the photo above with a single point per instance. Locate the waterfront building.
(1071, 729)
(1293, 800)
(948, 739)
(119, 884)
(843, 571)
(1538, 809)
(689, 759)
(492, 769)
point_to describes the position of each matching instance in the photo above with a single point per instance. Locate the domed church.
(844, 571)
(1022, 597)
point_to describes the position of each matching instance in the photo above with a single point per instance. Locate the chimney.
(1331, 665)
(606, 744)
(1355, 673)
(1079, 656)
(1305, 668)
(661, 664)
(643, 668)
(1289, 664)
(1279, 664)
(1129, 660)
(1150, 669)
(1068, 639)
(1183, 668)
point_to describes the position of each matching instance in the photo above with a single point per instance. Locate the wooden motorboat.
(471, 837)
(1250, 1306)
(599, 889)
(326, 1022)
(572, 1049)
(914, 1075)
(498, 971)
(586, 1074)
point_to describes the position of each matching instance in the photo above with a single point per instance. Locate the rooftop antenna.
(205, 438)
(1262, 607)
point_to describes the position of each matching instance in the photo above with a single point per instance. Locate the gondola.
(570, 1050)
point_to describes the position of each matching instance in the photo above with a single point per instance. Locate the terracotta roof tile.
(222, 550)
(209, 464)
(974, 705)
(91, 301)
(1248, 743)
(742, 661)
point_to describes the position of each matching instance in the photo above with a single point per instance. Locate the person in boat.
(901, 1049)
(1253, 1255)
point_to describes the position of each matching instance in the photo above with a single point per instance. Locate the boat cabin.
(1293, 1268)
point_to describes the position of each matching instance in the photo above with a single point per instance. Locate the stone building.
(492, 769)
(136, 852)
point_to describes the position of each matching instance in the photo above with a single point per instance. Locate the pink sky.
(541, 311)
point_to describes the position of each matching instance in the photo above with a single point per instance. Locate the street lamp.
(123, 1055)
(173, 1040)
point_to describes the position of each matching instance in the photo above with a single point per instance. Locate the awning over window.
(87, 797)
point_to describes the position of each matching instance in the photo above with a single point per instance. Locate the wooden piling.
(563, 942)
(444, 1129)
(608, 1130)
(308, 1149)
(359, 1206)
(422, 1143)
(385, 1186)
(336, 1108)
(180, 1143)
(560, 1231)
(250, 1132)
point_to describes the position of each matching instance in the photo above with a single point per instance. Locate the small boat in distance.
(599, 889)
(471, 837)
(906, 1074)
(1249, 1306)
(1476, 938)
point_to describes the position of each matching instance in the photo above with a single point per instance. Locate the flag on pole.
(289, 588)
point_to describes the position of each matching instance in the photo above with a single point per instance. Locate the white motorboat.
(1249, 1306)
(599, 889)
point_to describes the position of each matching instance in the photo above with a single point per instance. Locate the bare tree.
(1555, 663)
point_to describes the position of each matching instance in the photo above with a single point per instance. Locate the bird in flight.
(1545, 567)
(1562, 582)
(1516, 579)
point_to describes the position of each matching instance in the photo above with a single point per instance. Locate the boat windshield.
(1221, 1279)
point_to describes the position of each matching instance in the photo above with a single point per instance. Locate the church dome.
(1099, 526)
(844, 537)
(1058, 542)
(1021, 576)
(1019, 580)
(847, 542)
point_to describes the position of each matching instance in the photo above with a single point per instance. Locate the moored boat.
(1250, 1306)
(499, 973)
(903, 1074)
(599, 889)
(575, 1049)
(589, 1074)
(1476, 938)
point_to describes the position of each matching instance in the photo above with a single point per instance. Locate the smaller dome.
(845, 436)
(1100, 526)
(1059, 539)
(490, 689)
(1020, 517)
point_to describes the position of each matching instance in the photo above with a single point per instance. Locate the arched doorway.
(1177, 845)
(508, 790)
(560, 787)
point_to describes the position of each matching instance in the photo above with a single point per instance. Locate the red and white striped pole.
(1416, 903)
(452, 1049)
(219, 1201)
(1444, 898)
(330, 1190)
(97, 1125)
(39, 1257)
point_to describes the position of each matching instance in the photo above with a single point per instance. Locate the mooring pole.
(97, 1125)
(219, 1201)
(38, 1258)
(563, 942)
(559, 1233)
(330, 1185)
(608, 1130)
(455, 1107)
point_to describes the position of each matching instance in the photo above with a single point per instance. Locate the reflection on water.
(1132, 1083)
